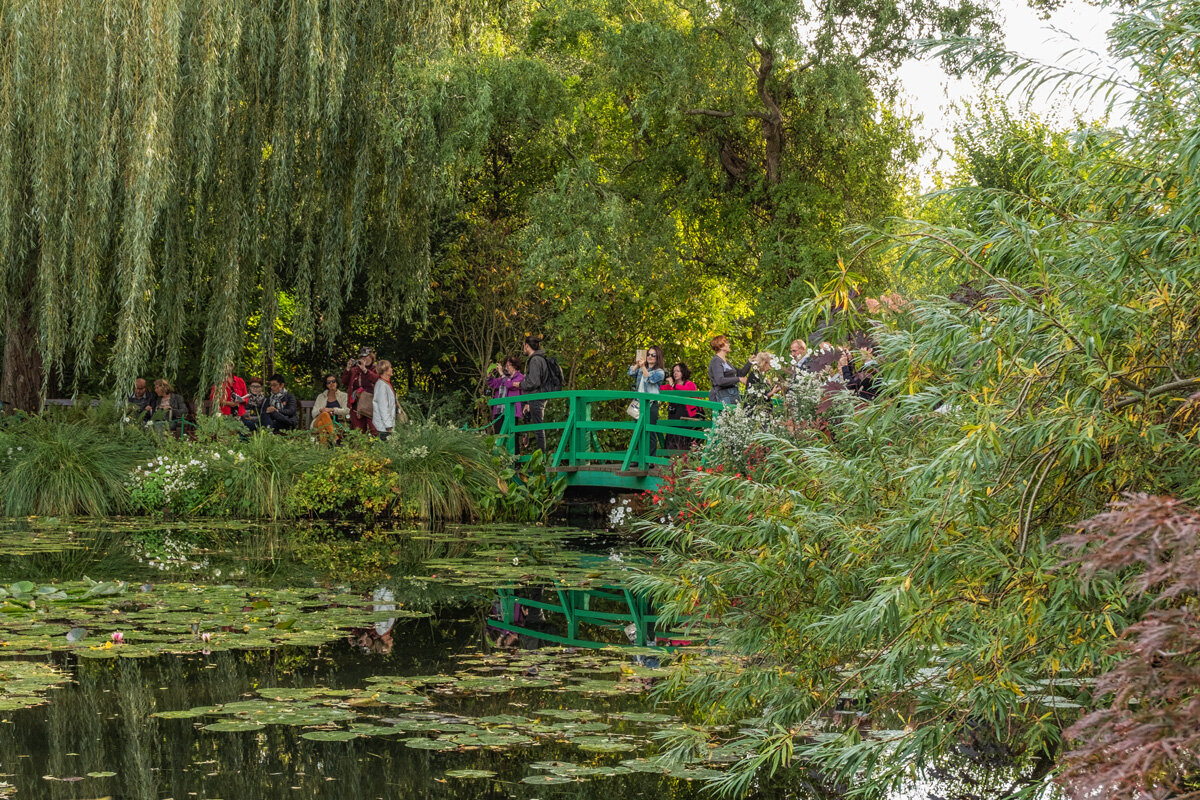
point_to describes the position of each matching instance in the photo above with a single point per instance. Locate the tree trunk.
(23, 370)
(772, 120)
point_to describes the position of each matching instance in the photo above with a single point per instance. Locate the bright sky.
(1077, 26)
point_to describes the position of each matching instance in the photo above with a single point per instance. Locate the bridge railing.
(579, 446)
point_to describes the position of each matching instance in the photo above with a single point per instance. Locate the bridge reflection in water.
(596, 617)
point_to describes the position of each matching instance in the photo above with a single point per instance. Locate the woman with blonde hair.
(168, 403)
(760, 390)
(386, 409)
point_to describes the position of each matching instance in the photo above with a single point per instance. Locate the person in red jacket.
(233, 394)
(359, 377)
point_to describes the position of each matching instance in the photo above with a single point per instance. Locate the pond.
(144, 660)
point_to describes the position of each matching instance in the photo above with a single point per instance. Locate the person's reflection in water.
(499, 637)
(530, 618)
(378, 638)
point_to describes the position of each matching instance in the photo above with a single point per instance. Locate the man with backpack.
(542, 374)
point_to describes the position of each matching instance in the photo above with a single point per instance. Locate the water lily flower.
(118, 637)
(206, 637)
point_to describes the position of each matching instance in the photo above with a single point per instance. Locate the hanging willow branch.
(167, 166)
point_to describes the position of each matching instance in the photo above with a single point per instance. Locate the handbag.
(364, 404)
(634, 409)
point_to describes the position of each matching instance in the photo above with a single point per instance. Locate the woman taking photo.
(760, 390)
(384, 401)
(648, 374)
(505, 382)
(680, 379)
(723, 376)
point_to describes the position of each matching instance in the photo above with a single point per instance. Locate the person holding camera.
(504, 381)
(359, 379)
(725, 379)
(860, 381)
(648, 372)
(536, 376)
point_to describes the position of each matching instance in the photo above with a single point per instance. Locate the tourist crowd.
(362, 397)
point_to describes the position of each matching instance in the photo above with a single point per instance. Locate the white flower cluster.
(418, 452)
(804, 395)
(620, 512)
(733, 433)
(177, 475)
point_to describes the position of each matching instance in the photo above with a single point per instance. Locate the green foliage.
(909, 566)
(528, 496)
(354, 480)
(49, 467)
(261, 483)
(444, 470)
(169, 180)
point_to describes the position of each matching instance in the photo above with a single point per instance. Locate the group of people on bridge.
(762, 379)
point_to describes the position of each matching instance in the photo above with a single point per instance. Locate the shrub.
(184, 479)
(353, 480)
(732, 440)
(1143, 737)
(528, 497)
(260, 484)
(444, 471)
(58, 468)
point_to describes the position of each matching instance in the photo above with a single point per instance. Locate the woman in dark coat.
(723, 376)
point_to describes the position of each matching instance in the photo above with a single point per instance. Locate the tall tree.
(166, 167)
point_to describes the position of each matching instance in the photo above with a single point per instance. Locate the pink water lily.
(118, 637)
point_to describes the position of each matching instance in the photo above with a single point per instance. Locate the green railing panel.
(576, 446)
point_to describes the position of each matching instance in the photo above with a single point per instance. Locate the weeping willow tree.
(167, 166)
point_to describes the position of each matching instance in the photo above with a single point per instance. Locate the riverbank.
(92, 463)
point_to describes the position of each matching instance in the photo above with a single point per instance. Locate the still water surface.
(313, 662)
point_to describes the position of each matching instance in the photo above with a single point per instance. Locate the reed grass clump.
(58, 468)
(444, 471)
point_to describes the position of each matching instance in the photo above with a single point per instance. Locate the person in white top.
(385, 401)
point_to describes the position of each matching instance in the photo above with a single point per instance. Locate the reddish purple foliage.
(1146, 743)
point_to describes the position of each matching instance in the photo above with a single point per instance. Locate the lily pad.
(234, 726)
(547, 780)
(329, 736)
(421, 743)
(469, 773)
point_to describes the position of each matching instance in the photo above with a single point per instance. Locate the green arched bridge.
(595, 442)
